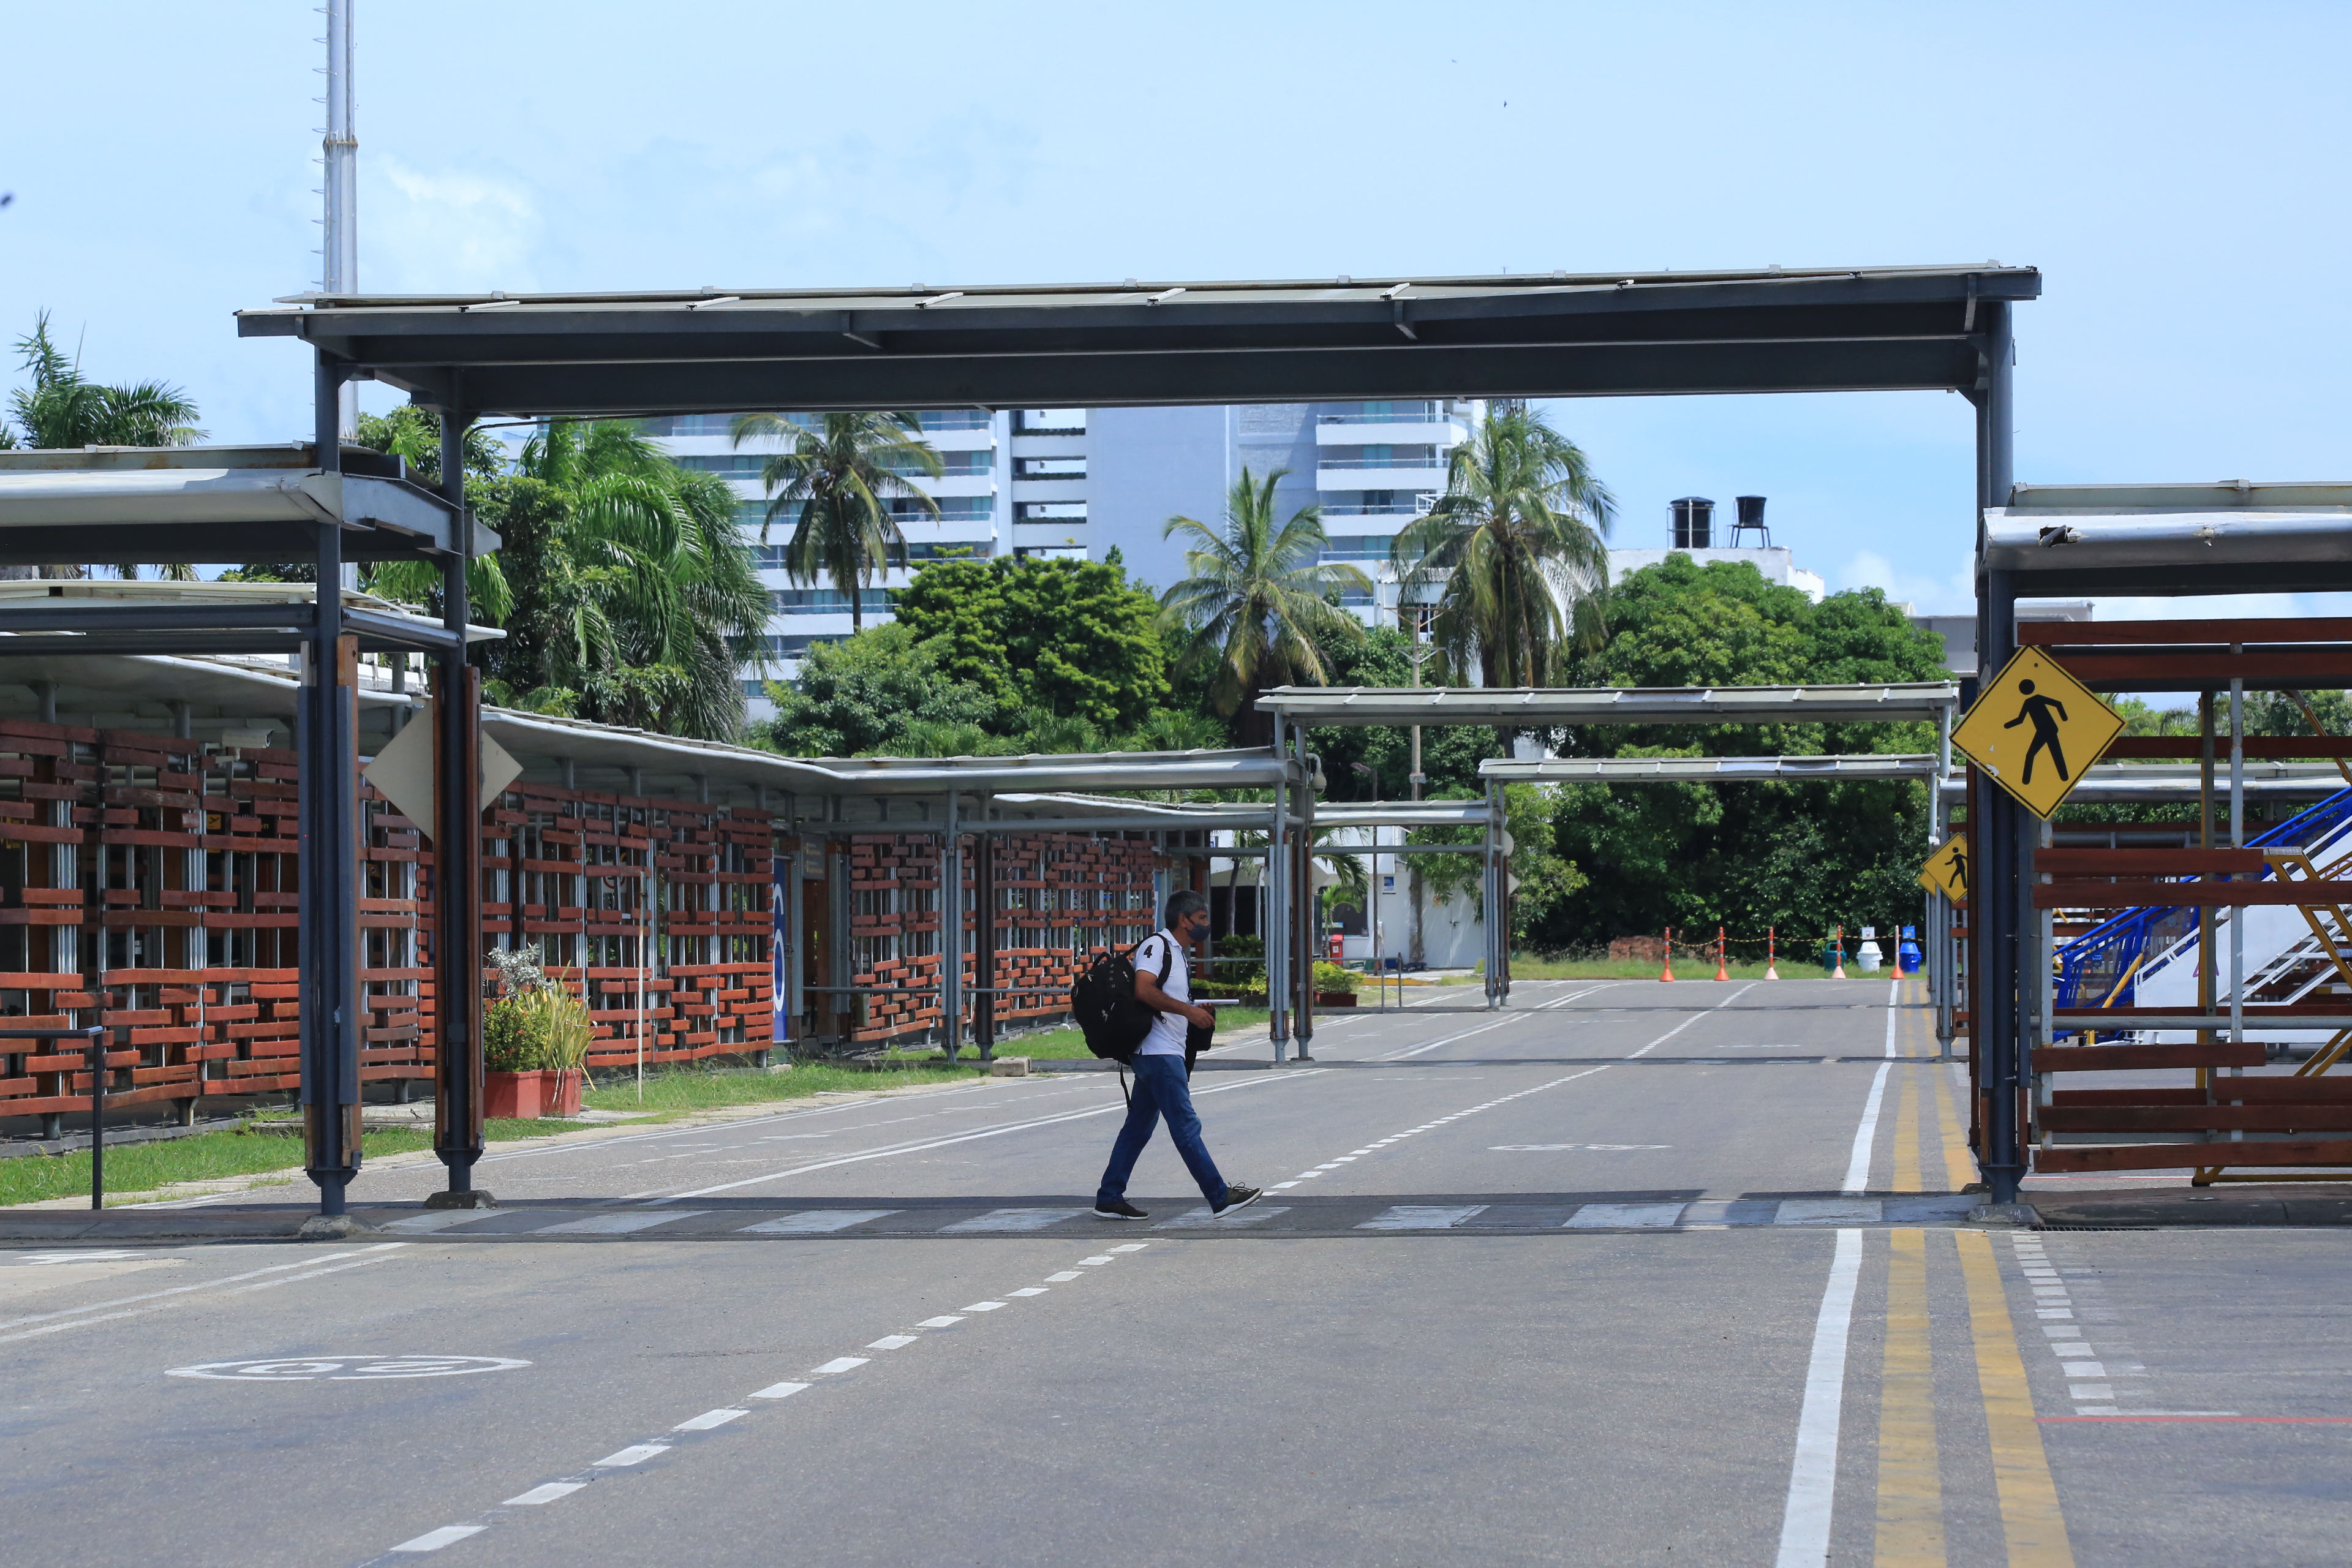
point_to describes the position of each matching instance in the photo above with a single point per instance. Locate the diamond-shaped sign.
(2035, 730)
(404, 771)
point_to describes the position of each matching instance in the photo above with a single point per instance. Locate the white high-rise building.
(1080, 482)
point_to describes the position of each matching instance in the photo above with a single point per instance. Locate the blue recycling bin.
(1907, 953)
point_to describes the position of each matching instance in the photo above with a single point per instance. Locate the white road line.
(945, 1320)
(158, 1299)
(1694, 1019)
(618, 1223)
(541, 1494)
(1624, 1216)
(1857, 1169)
(778, 1391)
(1250, 1081)
(1065, 1276)
(1028, 1290)
(1421, 1216)
(1894, 989)
(983, 1307)
(1011, 1220)
(892, 1342)
(435, 1540)
(707, 1419)
(839, 1365)
(1812, 1477)
(635, 1454)
(814, 1222)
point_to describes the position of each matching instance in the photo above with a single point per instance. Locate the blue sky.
(2178, 173)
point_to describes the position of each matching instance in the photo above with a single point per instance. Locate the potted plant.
(1335, 985)
(534, 1042)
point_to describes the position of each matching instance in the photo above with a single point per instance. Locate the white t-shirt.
(1167, 1036)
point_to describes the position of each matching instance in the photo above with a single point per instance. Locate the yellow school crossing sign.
(2035, 729)
(1946, 870)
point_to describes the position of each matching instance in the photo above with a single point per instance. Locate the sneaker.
(1236, 1198)
(1120, 1209)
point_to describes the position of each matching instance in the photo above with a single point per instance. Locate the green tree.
(659, 605)
(1795, 856)
(62, 409)
(1514, 551)
(1068, 638)
(410, 433)
(836, 481)
(1256, 608)
(880, 691)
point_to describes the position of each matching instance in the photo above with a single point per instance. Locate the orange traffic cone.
(1772, 967)
(1720, 972)
(1669, 972)
(1838, 972)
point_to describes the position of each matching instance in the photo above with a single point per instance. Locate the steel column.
(1306, 936)
(983, 935)
(458, 864)
(2004, 859)
(951, 932)
(328, 813)
(1274, 928)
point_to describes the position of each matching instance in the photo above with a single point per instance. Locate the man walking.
(1163, 1067)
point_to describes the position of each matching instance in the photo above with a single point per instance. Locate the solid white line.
(1252, 1081)
(1812, 1477)
(435, 1540)
(635, 1454)
(1893, 988)
(1694, 1019)
(1857, 1169)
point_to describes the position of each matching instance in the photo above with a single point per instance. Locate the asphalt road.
(1630, 1274)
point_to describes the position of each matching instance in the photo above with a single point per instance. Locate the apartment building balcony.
(1394, 427)
(1408, 475)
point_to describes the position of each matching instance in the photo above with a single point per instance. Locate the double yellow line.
(1910, 1527)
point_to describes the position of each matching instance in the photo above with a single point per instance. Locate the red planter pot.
(527, 1096)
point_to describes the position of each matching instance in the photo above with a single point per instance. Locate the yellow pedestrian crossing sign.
(2035, 729)
(1946, 870)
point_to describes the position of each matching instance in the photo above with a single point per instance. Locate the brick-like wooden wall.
(150, 884)
(1060, 898)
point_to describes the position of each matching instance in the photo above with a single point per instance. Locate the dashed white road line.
(636, 1454)
(157, 1300)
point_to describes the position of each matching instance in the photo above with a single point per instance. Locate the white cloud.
(449, 231)
(1927, 594)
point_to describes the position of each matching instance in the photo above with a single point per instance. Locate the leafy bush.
(538, 1027)
(1337, 978)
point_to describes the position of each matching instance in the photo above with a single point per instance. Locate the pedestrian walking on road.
(1164, 1069)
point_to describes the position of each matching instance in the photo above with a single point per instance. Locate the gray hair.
(1182, 904)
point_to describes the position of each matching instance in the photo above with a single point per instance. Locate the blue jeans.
(1161, 1091)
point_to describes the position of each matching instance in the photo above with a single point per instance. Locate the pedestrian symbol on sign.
(2038, 709)
(2034, 730)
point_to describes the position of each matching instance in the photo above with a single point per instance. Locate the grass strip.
(1064, 1045)
(680, 1091)
(135, 1168)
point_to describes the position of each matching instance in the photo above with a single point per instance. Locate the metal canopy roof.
(2233, 537)
(1707, 770)
(1551, 707)
(1603, 334)
(2143, 784)
(217, 503)
(1248, 769)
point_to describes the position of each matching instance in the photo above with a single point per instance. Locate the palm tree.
(1514, 548)
(659, 605)
(62, 409)
(1258, 600)
(840, 475)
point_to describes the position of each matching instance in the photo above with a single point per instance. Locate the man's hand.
(1148, 992)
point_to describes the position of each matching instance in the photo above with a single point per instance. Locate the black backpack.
(1113, 1021)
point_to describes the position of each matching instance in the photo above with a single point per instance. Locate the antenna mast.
(341, 273)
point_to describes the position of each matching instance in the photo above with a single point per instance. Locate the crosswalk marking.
(1253, 1214)
(618, 1223)
(814, 1222)
(1628, 1216)
(1422, 1217)
(1013, 1219)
